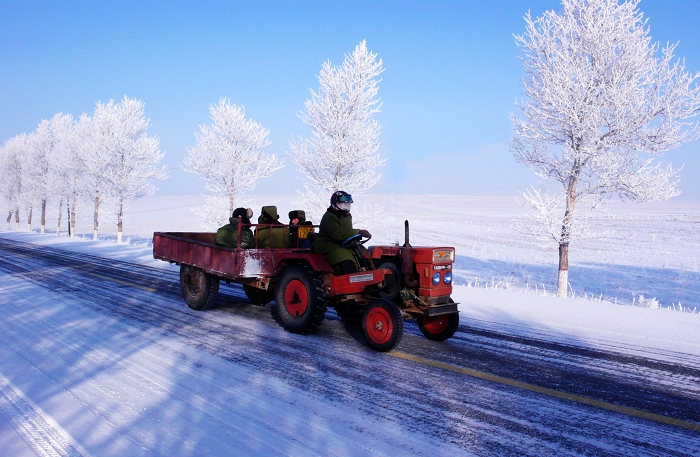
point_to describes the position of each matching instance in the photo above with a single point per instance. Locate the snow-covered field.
(652, 250)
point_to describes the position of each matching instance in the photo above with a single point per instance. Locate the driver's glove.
(364, 233)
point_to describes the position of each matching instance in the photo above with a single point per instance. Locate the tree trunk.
(72, 216)
(119, 220)
(29, 219)
(571, 195)
(9, 218)
(563, 280)
(97, 207)
(60, 213)
(43, 216)
(17, 219)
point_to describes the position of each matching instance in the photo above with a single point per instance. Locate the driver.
(336, 227)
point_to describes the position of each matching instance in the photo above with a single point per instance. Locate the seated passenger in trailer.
(228, 234)
(299, 229)
(273, 234)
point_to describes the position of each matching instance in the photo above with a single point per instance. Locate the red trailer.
(395, 282)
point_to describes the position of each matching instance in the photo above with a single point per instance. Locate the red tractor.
(394, 282)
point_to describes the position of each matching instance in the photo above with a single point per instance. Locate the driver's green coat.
(331, 233)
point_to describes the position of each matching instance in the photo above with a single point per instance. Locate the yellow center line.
(125, 283)
(551, 392)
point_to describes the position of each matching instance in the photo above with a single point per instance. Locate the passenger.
(267, 236)
(228, 234)
(336, 227)
(299, 235)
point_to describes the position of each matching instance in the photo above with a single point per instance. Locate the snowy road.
(108, 359)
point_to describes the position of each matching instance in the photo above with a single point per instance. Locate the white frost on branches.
(545, 222)
(341, 153)
(106, 158)
(119, 131)
(12, 157)
(600, 106)
(46, 145)
(229, 155)
(94, 160)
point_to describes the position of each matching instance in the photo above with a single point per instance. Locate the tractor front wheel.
(199, 289)
(439, 328)
(382, 325)
(301, 299)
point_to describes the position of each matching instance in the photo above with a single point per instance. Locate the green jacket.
(276, 236)
(333, 231)
(279, 238)
(228, 235)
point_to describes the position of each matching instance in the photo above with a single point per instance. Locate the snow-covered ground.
(104, 375)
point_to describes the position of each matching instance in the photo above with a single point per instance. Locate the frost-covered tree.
(126, 158)
(229, 155)
(12, 156)
(68, 173)
(45, 144)
(601, 104)
(341, 152)
(94, 160)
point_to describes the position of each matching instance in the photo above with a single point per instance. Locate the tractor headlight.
(443, 255)
(436, 278)
(448, 277)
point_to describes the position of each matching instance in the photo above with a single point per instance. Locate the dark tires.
(393, 283)
(259, 297)
(301, 299)
(439, 328)
(199, 289)
(382, 325)
(351, 314)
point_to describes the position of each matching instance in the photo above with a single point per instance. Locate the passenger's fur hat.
(243, 212)
(298, 214)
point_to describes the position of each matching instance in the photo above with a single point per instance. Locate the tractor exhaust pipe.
(406, 256)
(406, 244)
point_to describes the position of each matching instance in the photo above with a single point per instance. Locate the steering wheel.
(354, 239)
(350, 240)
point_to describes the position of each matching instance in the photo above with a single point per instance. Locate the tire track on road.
(41, 433)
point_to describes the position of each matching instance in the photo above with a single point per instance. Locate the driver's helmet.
(341, 201)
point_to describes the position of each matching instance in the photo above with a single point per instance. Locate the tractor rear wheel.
(439, 328)
(301, 299)
(382, 325)
(259, 297)
(199, 289)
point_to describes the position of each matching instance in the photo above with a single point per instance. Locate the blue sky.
(451, 76)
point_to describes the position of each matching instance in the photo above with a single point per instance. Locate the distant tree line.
(106, 157)
(108, 160)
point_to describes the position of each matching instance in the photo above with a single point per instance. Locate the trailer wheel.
(301, 299)
(439, 328)
(199, 289)
(382, 325)
(393, 283)
(259, 297)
